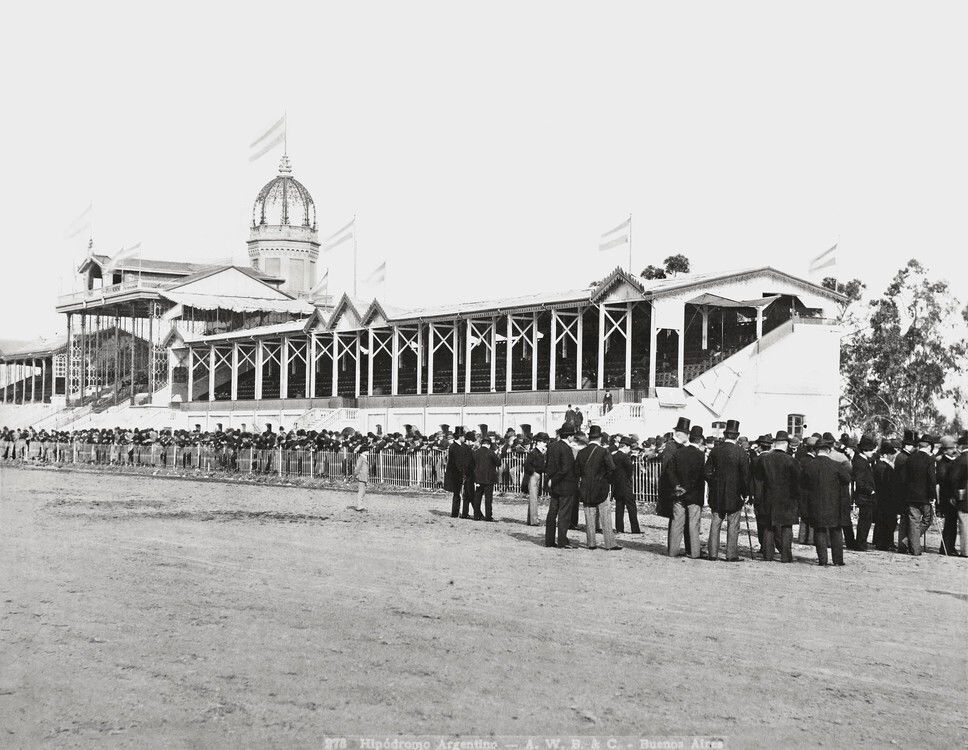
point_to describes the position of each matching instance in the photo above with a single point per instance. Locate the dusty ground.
(146, 612)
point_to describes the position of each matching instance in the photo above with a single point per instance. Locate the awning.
(670, 396)
(714, 300)
(240, 304)
(275, 329)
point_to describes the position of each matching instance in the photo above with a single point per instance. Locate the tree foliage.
(672, 266)
(653, 272)
(904, 357)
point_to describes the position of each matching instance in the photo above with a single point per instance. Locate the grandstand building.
(175, 343)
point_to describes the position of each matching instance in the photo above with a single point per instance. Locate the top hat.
(470, 435)
(732, 428)
(887, 448)
(695, 434)
(541, 437)
(445, 428)
(483, 428)
(594, 432)
(566, 430)
(459, 431)
(782, 436)
(218, 426)
(908, 438)
(683, 424)
(866, 443)
(827, 440)
(526, 429)
(928, 438)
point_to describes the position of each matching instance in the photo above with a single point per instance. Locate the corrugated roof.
(40, 347)
(293, 326)
(238, 304)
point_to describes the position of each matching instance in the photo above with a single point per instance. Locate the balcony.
(111, 290)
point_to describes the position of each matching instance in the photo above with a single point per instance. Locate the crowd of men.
(899, 487)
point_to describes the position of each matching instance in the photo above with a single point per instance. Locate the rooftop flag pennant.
(81, 223)
(271, 138)
(322, 286)
(341, 235)
(617, 236)
(826, 259)
(123, 254)
(379, 274)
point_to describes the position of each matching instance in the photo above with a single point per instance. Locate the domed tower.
(283, 241)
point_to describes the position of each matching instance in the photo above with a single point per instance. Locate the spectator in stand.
(606, 402)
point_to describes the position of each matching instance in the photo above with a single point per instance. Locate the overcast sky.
(485, 147)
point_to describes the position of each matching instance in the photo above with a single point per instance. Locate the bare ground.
(145, 612)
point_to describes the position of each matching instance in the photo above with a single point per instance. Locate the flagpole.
(354, 255)
(630, 242)
(285, 132)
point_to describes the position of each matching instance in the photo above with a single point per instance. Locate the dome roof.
(284, 201)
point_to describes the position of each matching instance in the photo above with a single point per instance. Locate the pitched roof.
(39, 347)
(171, 267)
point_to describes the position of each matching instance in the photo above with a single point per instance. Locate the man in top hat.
(826, 487)
(728, 475)
(687, 475)
(486, 463)
(865, 492)
(594, 467)
(764, 529)
(886, 490)
(562, 487)
(534, 467)
(920, 491)
(622, 490)
(457, 472)
(666, 488)
(468, 469)
(908, 447)
(806, 453)
(777, 474)
(959, 480)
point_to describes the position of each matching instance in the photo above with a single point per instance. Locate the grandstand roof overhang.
(36, 349)
(292, 327)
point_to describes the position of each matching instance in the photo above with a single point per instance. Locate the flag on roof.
(379, 274)
(616, 236)
(826, 259)
(81, 223)
(341, 235)
(271, 138)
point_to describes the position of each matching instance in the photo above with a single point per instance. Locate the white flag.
(275, 135)
(379, 274)
(341, 235)
(826, 259)
(322, 286)
(123, 254)
(81, 223)
(616, 237)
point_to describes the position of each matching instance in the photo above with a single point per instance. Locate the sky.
(485, 147)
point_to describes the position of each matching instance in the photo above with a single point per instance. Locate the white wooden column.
(211, 372)
(307, 353)
(43, 378)
(394, 361)
(507, 354)
(759, 322)
(335, 390)
(371, 358)
(681, 357)
(601, 346)
(553, 349)
(534, 351)
(191, 375)
(356, 385)
(705, 328)
(419, 358)
(284, 367)
(467, 357)
(3, 374)
(653, 343)
(579, 336)
(33, 379)
(628, 346)
(235, 370)
(258, 370)
(493, 354)
(430, 358)
(453, 355)
(311, 357)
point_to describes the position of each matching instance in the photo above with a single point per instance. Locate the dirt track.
(147, 612)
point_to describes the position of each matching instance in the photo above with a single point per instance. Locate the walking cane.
(749, 536)
(940, 533)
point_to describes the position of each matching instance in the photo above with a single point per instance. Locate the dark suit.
(465, 468)
(728, 475)
(562, 489)
(920, 492)
(486, 462)
(826, 487)
(865, 498)
(623, 493)
(900, 498)
(886, 491)
(778, 477)
(453, 476)
(686, 470)
(594, 467)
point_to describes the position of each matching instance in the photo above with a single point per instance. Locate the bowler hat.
(594, 432)
(866, 443)
(683, 424)
(541, 437)
(928, 438)
(782, 436)
(566, 430)
(627, 441)
(827, 440)
(765, 440)
(695, 434)
(732, 428)
(471, 436)
(887, 448)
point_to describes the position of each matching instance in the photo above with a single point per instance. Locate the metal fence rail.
(422, 470)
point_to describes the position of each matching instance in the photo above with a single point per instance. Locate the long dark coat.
(560, 469)
(687, 470)
(622, 477)
(826, 486)
(594, 467)
(863, 481)
(667, 496)
(728, 474)
(486, 462)
(533, 464)
(456, 465)
(920, 479)
(778, 475)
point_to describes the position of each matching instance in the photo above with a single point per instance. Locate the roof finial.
(284, 166)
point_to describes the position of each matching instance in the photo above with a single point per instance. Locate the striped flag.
(275, 135)
(322, 286)
(826, 259)
(379, 274)
(81, 224)
(616, 237)
(341, 235)
(123, 254)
